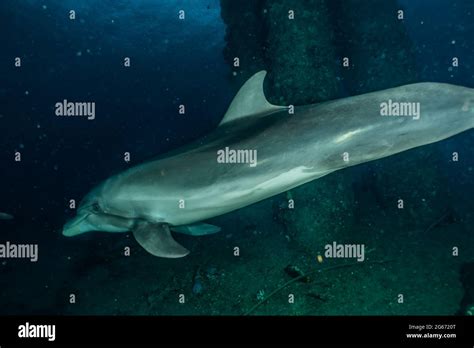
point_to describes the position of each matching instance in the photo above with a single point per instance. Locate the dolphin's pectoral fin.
(199, 229)
(250, 100)
(157, 240)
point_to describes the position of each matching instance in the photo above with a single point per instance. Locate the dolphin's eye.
(95, 207)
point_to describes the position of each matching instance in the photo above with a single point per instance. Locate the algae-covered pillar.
(372, 38)
(293, 40)
(300, 51)
(313, 47)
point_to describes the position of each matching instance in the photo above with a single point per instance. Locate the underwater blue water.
(173, 62)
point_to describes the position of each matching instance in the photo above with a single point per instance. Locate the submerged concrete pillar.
(300, 51)
(372, 35)
(293, 40)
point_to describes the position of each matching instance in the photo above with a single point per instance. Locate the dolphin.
(6, 216)
(290, 145)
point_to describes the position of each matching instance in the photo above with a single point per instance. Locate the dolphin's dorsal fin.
(250, 100)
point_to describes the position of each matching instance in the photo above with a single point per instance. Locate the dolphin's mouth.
(77, 225)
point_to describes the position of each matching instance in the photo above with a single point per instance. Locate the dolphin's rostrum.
(178, 191)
